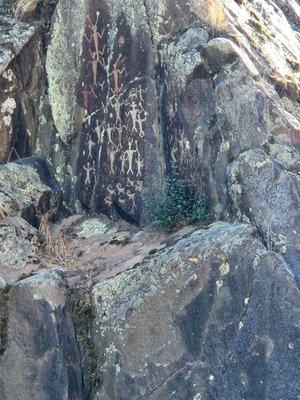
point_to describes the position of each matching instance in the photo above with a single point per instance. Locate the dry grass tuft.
(55, 249)
(288, 85)
(216, 14)
(24, 8)
(3, 213)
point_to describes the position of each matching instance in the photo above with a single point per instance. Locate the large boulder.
(28, 189)
(213, 317)
(39, 356)
(20, 86)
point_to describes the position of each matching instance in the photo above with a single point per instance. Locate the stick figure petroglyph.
(116, 105)
(86, 94)
(134, 114)
(95, 60)
(130, 154)
(123, 159)
(140, 165)
(88, 168)
(112, 158)
(131, 197)
(140, 122)
(109, 131)
(99, 131)
(117, 73)
(95, 35)
(90, 144)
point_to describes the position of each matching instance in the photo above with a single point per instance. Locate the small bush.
(176, 206)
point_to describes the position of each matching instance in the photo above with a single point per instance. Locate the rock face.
(41, 349)
(28, 191)
(113, 94)
(205, 318)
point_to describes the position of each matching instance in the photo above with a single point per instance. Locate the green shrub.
(176, 206)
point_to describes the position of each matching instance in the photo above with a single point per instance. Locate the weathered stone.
(28, 189)
(192, 322)
(40, 358)
(267, 195)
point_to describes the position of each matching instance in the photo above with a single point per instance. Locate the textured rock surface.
(41, 358)
(206, 318)
(28, 188)
(112, 93)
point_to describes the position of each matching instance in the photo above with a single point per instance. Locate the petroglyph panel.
(119, 113)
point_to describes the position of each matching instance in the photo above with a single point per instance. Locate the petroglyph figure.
(86, 94)
(95, 36)
(130, 154)
(140, 122)
(140, 165)
(116, 105)
(99, 131)
(131, 197)
(117, 73)
(109, 131)
(90, 144)
(88, 168)
(120, 189)
(123, 159)
(112, 158)
(134, 114)
(95, 60)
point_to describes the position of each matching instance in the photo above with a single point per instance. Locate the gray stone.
(192, 322)
(40, 359)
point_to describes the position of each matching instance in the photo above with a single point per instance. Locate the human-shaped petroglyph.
(95, 36)
(123, 159)
(95, 61)
(109, 131)
(117, 74)
(140, 164)
(131, 196)
(112, 157)
(90, 145)
(140, 122)
(134, 114)
(130, 154)
(88, 168)
(98, 131)
(86, 94)
(116, 105)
